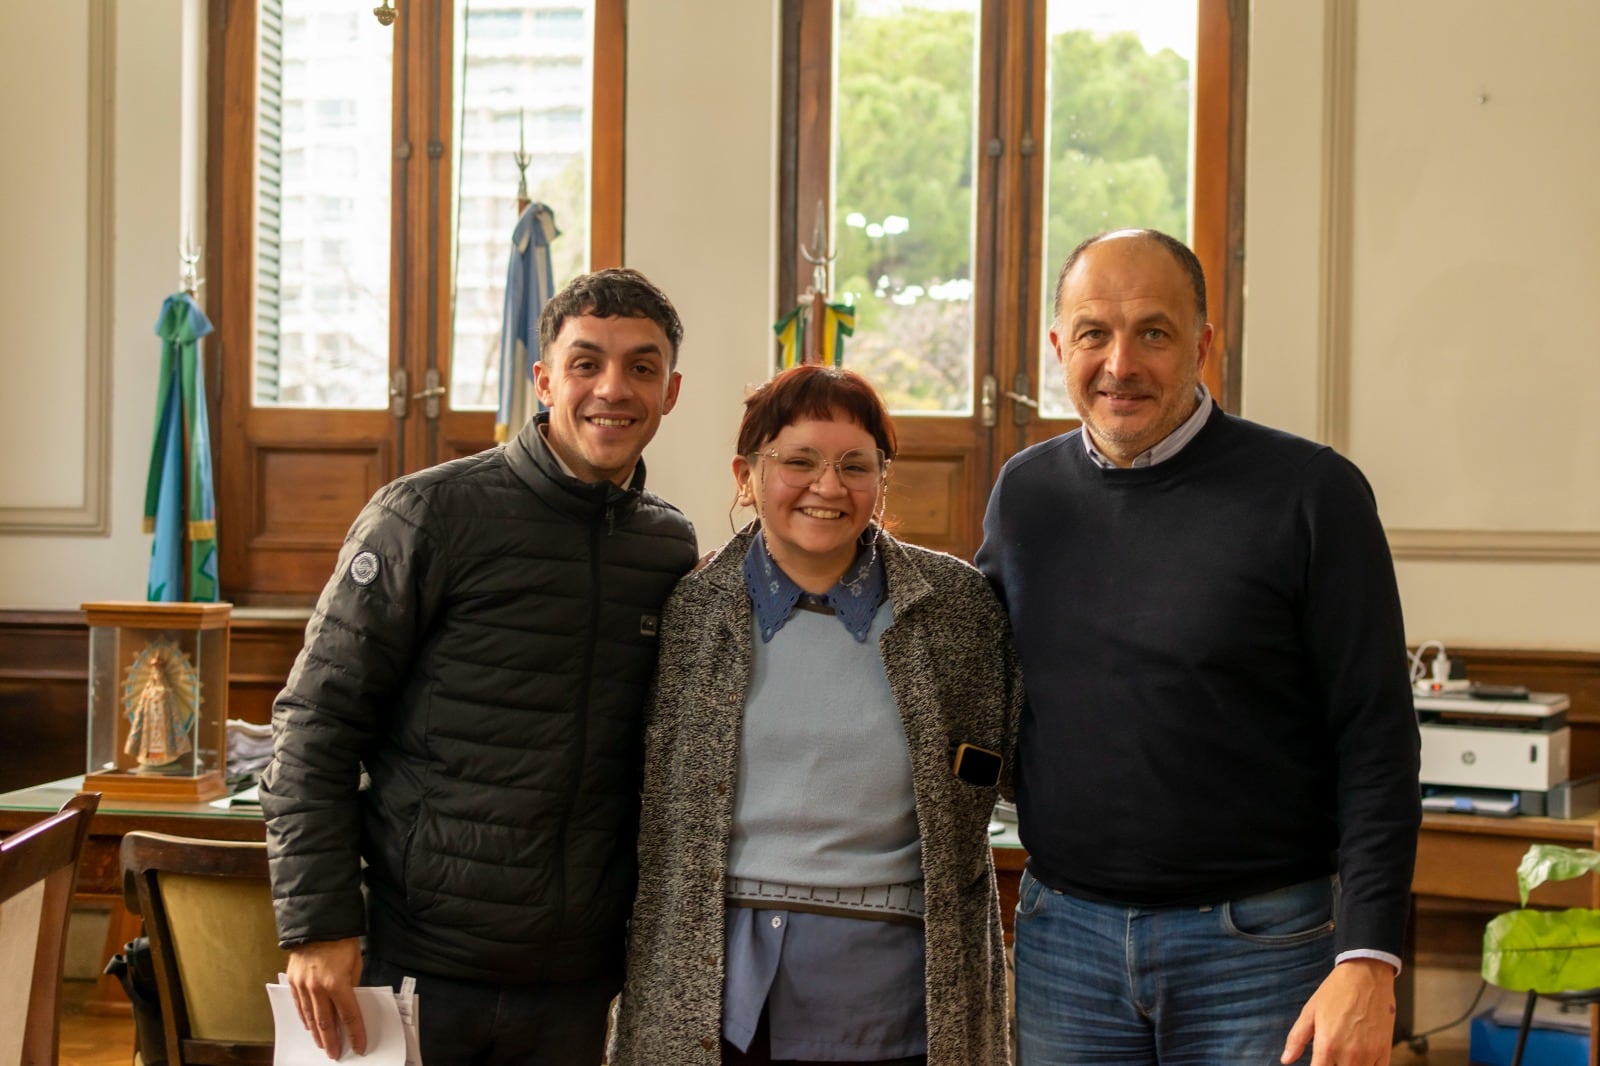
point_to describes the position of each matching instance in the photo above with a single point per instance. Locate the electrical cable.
(1417, 669)
(1418, 1042)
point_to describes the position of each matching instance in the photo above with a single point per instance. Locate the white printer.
(1485, 753)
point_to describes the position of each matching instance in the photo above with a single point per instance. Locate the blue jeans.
(473, 1023)
(1104, 984)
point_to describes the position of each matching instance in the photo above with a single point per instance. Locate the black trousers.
(760, 1053)
(474, 1023)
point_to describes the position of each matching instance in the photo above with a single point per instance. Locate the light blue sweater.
(824, 794)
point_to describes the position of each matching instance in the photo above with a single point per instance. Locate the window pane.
(525, 69)
(322, 300)
(904, 134)
(1117, 135)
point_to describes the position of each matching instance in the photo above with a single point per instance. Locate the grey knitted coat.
(948, 658)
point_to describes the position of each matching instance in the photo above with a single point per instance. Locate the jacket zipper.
(581, 759)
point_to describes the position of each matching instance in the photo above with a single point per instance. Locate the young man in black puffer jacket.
(482, 651)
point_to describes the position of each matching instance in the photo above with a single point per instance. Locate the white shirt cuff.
(1369, 953)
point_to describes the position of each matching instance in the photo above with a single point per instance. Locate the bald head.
(1177, 249)
(1130, 342)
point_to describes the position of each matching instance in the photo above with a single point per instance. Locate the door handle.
(431, 394)
(1018, 394)
(990, 395)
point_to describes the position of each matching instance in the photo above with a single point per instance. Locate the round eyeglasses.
(799, 468)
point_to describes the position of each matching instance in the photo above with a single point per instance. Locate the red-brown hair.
(825, 393)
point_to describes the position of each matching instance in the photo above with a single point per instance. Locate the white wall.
(1283, 172)
(1459, 213)
(44, 260)
(701, 221)
(42, 215)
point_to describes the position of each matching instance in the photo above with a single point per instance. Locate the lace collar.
(854, 600)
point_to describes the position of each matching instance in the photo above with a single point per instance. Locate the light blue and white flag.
(529, 285)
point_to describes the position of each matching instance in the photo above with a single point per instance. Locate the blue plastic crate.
(1493, 1045)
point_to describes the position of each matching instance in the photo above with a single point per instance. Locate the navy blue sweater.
(1216, 675)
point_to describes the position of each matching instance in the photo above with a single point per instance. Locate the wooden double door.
(955, 152)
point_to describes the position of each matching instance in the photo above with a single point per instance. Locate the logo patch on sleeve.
(364, 568)
(648, 625)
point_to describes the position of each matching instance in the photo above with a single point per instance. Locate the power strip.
(1430, 687)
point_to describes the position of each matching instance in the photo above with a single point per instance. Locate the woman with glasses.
(832, 717)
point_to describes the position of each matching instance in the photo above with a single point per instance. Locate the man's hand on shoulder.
(1349, 1021)
(323, 975)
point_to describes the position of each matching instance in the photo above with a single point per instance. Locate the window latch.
(397, 393)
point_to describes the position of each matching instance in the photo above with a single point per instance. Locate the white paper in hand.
(408, 1002)
(386, 1043)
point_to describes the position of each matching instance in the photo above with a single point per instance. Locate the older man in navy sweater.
(1218, 757)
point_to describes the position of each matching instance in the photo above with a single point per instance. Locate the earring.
(744, 498)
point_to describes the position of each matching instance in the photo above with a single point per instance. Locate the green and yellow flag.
(806, 340)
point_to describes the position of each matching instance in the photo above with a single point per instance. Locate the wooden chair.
(207, 909)
(38, 873)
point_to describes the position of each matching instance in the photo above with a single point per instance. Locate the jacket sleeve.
(1005, 674)
(1355, 639)
(359, 646)
(1011, 674)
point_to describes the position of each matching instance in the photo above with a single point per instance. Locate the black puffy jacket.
(483, 650)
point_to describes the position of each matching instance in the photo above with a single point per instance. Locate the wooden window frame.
(947, 463)
(1219, 154)
(299, 560)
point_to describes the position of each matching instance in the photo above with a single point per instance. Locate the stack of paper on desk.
(249, 747)
(390, 1017)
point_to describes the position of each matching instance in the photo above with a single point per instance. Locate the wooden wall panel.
(262, 652)
(312, 493)
(303, 501)
(459, 447)
(44, 723)
(44, 696)
(922, 493)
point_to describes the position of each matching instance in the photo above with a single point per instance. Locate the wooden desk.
(1473, 857)
(100, 869)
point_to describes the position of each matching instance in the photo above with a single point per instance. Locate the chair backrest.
(38, 873)
(207, 908)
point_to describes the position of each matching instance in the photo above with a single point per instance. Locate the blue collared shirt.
(847, 989)
(854, 600)
(1167, 446)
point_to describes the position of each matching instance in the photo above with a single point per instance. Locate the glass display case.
(158, 700)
